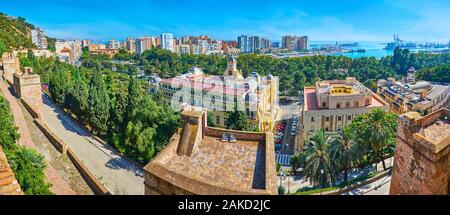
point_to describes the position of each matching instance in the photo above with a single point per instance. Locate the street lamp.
(321, 181)
(288, 184)
(282, 177)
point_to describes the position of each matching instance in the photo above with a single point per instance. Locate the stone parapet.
(421, 160)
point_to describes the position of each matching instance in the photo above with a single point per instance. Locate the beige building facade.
(410, 95)
(256, 95)
(331, 105)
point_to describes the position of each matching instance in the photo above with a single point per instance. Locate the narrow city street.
(290, 109)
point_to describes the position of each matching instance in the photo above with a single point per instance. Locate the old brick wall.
(414, 174)
(156, 186)
(417, 170)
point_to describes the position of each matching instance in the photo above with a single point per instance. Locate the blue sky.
(338, 20)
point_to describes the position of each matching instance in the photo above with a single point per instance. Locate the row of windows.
(167, 94)
(347, 104)
(213, 97)
(339, 118)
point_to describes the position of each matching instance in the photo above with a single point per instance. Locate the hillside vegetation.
(14, 33)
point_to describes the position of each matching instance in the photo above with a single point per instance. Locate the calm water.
(373, 49)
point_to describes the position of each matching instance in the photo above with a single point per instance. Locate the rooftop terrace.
(237, 166)
(196, 161)
(438, 131)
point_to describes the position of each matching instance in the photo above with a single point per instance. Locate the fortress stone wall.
(11, 65)
(27, 87)
(421, 160)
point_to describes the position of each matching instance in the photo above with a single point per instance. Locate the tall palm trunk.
(382, 160)
(345, 176)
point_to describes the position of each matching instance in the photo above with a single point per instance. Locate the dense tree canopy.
(370, 138)
(296, 72)
(238, 120)
(113, 105)
(436, 74)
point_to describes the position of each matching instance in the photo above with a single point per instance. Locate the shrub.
(28, 166)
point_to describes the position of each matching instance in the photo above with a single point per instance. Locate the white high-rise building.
(203, 46)
(114, 44)
(167, 41)
(243, 43)
(144, 43)
(130, 45)
(38, 38)
(264, 43)
(249, 44)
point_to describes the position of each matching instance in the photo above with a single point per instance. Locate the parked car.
(231, 138)
(224, 137)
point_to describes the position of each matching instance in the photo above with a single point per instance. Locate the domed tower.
(232, 68)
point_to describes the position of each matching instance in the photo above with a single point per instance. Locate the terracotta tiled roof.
(8, 182)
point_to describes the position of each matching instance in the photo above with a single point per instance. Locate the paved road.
(381, 190)
(290, 109)
(117, 174)
(379, 187)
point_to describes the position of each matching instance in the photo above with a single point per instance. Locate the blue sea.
(373, 49)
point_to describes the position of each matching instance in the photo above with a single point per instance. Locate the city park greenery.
(105, 96)
(100, 93)
(114, 106)
(27, 164)
(296, 72)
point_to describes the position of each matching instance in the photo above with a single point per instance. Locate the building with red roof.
(331, 105)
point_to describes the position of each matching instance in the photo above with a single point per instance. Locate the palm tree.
(318, 164)
(377, 133)
(295, 162)
(345, 150)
